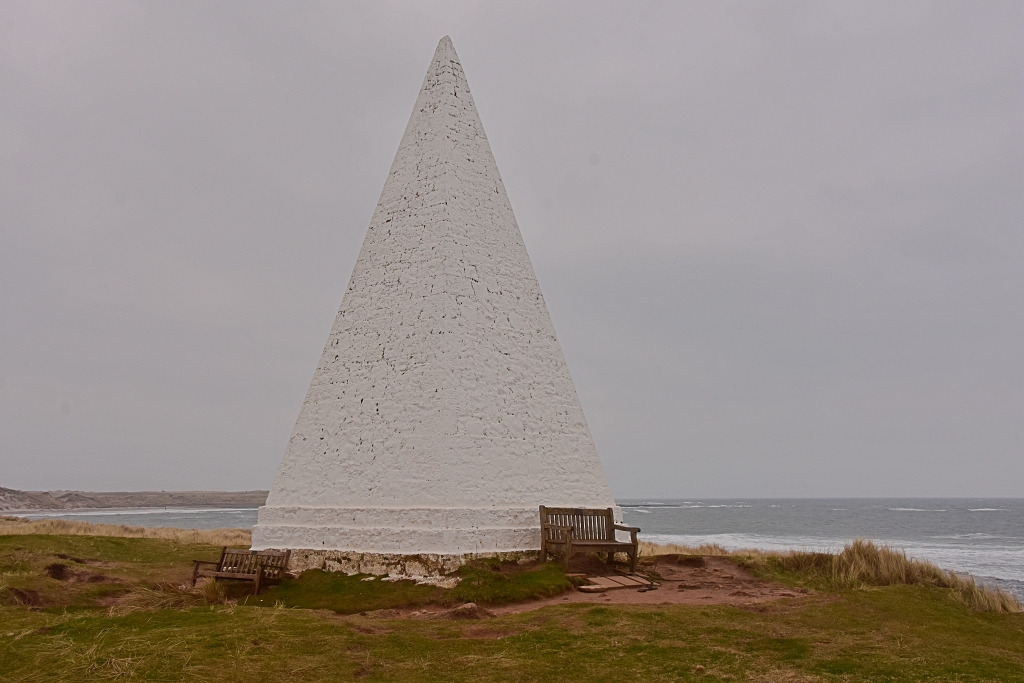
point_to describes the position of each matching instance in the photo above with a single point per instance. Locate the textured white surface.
(442, 412)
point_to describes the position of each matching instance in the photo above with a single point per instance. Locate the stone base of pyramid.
(396, 541)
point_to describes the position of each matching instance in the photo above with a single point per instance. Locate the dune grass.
(860, 564)
(20, 526)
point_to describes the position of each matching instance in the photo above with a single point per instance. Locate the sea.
(983, 537)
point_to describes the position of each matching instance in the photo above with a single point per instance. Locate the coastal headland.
(13, 500)
(75, 605)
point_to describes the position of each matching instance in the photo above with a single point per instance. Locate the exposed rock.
(416, 567)
(381, 614)
(468, 611)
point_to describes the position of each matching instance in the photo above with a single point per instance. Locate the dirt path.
(685, 581)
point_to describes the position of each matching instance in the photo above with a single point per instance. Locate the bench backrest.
(238, 561)
(274, 562)
(587, 524)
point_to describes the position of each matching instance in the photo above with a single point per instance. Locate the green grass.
(873, 633)
(494, 583)
(485, 583)
(905, 633)
(347, 594)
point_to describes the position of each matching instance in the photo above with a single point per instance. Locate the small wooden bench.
(576, 530)
(259, 566)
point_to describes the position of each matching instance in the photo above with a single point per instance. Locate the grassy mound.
(860, 564)
(501, 583)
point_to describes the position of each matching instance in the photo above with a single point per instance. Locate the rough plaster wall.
(442, 384)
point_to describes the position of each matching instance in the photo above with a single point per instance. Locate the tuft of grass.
(213, 592)
(982, 598)
(19, 526)
(648, 549)
(862, 563)
(159, 597)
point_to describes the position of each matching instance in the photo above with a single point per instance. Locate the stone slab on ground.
(615, 582)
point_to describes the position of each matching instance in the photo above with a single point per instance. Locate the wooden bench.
(576, 530)
(259, 566)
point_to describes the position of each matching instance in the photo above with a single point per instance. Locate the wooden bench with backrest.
(579, 530)
(259, 566)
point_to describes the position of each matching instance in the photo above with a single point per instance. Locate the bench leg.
(632, 560)
(611, 557)
(259, 577)
(543, 550)
(568, 553)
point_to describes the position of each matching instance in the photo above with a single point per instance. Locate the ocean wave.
(987, 510)
(914, 510)
(688, 505)
(978, 536)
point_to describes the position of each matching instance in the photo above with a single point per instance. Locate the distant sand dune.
(14, 500)
(62, 527)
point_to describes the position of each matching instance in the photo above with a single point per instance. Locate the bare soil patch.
(685, 580)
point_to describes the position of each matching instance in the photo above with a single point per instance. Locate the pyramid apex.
(445, 45)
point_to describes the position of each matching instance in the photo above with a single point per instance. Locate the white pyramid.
(442, 412)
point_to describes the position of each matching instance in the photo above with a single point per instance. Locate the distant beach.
(182, 518)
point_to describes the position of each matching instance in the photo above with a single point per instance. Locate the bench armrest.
(631, 529)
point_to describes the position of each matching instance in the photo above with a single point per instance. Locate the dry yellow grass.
(648, 549)
(63, 527)
(859, 564)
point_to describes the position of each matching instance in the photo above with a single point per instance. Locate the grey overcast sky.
(782, 242)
